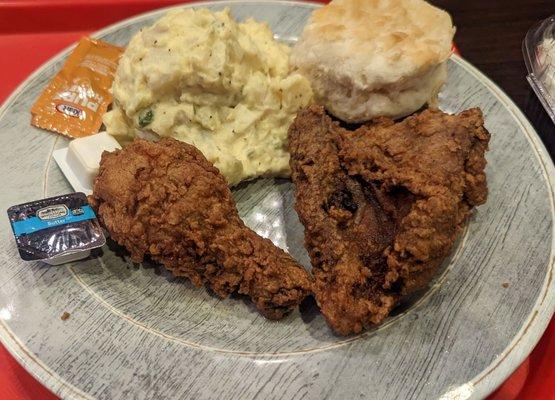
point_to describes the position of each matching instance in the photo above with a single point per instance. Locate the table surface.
(489, 35)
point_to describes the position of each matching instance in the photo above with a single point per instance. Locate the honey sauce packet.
(76, 99)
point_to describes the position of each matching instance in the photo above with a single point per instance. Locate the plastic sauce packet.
(56, 230)
(74, 101)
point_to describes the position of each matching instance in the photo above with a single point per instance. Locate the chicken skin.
(165, 200)
(382, 205)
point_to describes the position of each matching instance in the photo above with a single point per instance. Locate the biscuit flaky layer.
(375, 57)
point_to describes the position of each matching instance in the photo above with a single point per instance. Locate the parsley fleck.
(146, 118)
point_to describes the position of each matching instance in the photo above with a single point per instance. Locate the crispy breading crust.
(383, 205)
(167, 201)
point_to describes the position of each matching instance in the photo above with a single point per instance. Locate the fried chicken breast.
(382, 205)
(165, 200)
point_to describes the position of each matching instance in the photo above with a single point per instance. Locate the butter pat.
(83, 155)
(80, 160)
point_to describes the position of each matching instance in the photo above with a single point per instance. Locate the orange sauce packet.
(74, 101)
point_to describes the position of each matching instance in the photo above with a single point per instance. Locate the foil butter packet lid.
(56, 230)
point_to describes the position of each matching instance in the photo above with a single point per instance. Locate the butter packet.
(56, 230)
(74, 101)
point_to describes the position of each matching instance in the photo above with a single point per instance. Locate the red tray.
(32, 31)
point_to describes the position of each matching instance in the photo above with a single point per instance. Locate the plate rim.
(479, 386)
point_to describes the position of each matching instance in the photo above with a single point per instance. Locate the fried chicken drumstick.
(382, 205)
(167, 201)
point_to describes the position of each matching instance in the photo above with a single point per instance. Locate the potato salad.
(222, 86)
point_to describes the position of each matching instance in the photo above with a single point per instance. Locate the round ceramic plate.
(136, 332)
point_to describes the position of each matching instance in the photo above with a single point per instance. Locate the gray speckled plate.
(134, 332)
